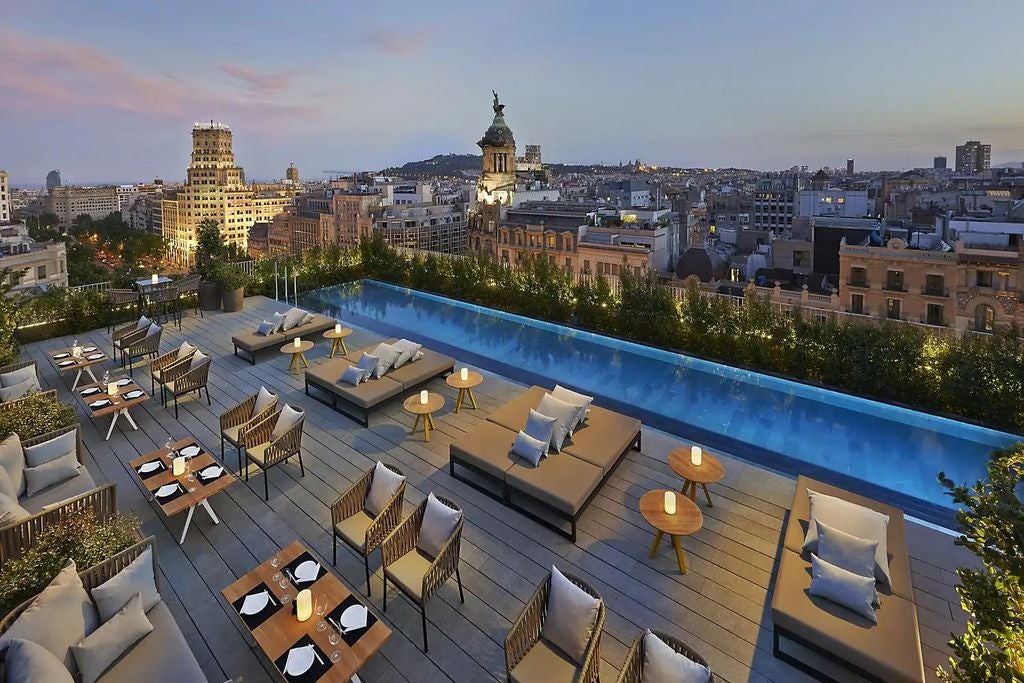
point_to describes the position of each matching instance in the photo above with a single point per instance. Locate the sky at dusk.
(108, 92)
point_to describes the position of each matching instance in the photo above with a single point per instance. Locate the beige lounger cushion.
(513, 414)
(365, 395)
(899, 558)
(416, 372)
(250, 341)
(488, 447)
(561, 481)
(890, 649)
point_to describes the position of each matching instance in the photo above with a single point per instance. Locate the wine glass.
(334, 638)
(319, 607)
(169, 447)
(189, 477)
(286, 597)
(275, 562)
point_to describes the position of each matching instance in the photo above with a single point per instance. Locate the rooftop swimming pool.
(879, 449)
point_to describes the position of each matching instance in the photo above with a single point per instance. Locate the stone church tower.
(497, 184)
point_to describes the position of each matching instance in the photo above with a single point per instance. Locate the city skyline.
(344, 88)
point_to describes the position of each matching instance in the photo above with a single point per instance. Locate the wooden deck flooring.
(721, 607)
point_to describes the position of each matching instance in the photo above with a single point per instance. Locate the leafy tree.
(991, 516)
(210, 249)
(8, 319)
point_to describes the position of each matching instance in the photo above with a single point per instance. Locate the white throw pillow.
(853, 519)
(367, 363)
(288, 418)
(15, 377)
(662, 664)
(50, 450)
(11, 511)
(307, 318)
(278, 322)
(382, 486)
(853, 554)
(292, 318)
(563, 412)
(581, 401)
(153, 330)
(858, 593)
(12, 459)
(353, 375)
(185, 349)
(529, 448)
(571, 617)
(197, 360)
(438, 524)
(540, 427)
(386, 355)
(7, 485)
(407, 351)
(264, 400)
(144, 322)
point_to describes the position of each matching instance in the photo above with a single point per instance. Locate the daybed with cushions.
(17, 380)
(39, 474)
(564, 482)
(286, 327)
(356, 401)
(889, 650)
(107, 624)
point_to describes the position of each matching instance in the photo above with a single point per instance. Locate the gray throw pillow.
(14, 377)
(265, 329)
(353, 375)
(571, 618)
(51, 450)
(844, 588)
(853, 554)
(7, 485)
(16, 391)
(185, 349)
(308, 318)
(292, 318)
(529, 448)
(51, 473)
(10, 511)
(581, 401)
(264, 399)
(439, 522)
(12, 459)
(135, 579)
(144, 322)
(198, 358)
(662, 664)
(382, 487)
(288, 418)
(367, 363)
(116, 636)
(59, 617)
(278, 322)
(540, 426)
(407, 351)
(153, 330)
(386, 355)
(564, 413)
(853, 519)
(27, 662)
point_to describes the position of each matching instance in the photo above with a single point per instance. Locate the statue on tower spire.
(497, 106)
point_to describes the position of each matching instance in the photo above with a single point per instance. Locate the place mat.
(289, 570)
(321, 663)
(101, 404)
(94, 356)
(178, 493)
(253, 621)
(90, 391)
(58, 356)
(132, 395)
(195, 450)
(151, 473)
(209, 480)
(88, 349)
(352, 635)
(124, 381)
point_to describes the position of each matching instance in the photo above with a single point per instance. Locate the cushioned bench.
(251, 343)
(357, 401)
(563, 483)
(887, 651)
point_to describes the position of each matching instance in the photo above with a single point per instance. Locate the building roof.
(498, 134)
(702, 262)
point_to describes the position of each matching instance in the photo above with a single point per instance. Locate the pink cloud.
(259, 82)
(60, 76)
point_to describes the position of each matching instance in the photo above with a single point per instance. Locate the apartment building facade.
(68, 202)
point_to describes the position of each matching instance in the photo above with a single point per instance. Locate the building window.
(586, 266)
(800, 259)
(857, 304)
(858, 277)
(40, 272)
(935, 315)
(984, 317)
(892, 309)
(984, 278)
(934, 285)
(894, 280)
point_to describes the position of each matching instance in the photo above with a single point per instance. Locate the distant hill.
(1010, 164)
(442, 164)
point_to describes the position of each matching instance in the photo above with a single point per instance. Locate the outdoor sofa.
(18, 380)
(888, 651)
(251, 343)
(357, 401)
(562, 483)
(160, 656)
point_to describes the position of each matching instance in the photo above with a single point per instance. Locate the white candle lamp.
(155, 279)
(696, 456)
(464, 374)
(178, 466)
(76, 351)
(337, 328)
(670, 502)
(298, 342)
(111, 388)
(424, 396)
(304, 605)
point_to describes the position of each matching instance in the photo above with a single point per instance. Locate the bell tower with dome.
(497, 184)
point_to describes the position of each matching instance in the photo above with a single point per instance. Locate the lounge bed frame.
(251, 343)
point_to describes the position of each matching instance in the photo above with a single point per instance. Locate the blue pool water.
(884, 450)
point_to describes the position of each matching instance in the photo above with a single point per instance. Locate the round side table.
(687, 519)
(338, 340)
(423, 410)
(465, 387)
(709, 471)
(298, 354)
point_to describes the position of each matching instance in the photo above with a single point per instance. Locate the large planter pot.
(233, 299)
(209, 296)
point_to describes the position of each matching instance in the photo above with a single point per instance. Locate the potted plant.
(210, 250)
(231, 281)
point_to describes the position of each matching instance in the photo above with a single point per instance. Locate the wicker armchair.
(181, 378)
(160, 366)
(20, 536)
(359, 531)
(163, 303)
(123, 336)
(238, 421)
(400, 546)
(265, 452)
(633, 667)
(18, 366)
(526, 633)
(119, 300)
(140, 346)
(188, 294)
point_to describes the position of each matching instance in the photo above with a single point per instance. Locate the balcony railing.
(857, 283)
(895, 287)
